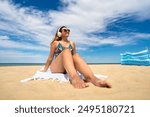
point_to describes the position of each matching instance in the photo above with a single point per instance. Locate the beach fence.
(136, 58)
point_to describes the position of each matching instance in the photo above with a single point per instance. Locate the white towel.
(55, 76)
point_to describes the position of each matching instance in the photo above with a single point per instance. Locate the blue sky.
(101, 29)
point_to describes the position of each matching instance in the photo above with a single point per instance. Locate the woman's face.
(65, 32)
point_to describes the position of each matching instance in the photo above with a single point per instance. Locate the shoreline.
(41, 64)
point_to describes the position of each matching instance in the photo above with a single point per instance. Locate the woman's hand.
(42, 70)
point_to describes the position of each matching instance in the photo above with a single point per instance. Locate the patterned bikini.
(60, 48)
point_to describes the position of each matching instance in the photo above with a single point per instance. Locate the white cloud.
(26, 22)
(87, 16)
(12, 56)
(84, 17)
(4, 38)
(5, 42)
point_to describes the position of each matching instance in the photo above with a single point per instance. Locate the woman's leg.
(64, 61)
(83, 68)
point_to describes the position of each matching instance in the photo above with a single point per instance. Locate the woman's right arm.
(50, 57)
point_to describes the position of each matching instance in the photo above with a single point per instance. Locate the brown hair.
(56, 38)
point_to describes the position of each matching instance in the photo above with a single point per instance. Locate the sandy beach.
(129, 83)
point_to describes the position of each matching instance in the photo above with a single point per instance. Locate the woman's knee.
(76, 55)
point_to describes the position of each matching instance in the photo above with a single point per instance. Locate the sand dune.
(129, 83)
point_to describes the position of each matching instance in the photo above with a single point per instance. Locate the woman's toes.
(77, 83)
(86, 85)
(109, 85)
(101, 83)
(105, 84)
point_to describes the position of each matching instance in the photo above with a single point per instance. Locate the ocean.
(35, 64)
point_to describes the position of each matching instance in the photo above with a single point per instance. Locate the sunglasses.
(66, 30)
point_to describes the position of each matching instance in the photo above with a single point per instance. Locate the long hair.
(56, 37)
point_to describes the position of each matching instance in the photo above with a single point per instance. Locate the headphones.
(58, 32)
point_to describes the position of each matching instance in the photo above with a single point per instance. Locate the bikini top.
(60, 48)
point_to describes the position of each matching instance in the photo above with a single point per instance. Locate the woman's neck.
(64, 39)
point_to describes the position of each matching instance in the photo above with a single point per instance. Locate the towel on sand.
(55, 76)
(137, 58)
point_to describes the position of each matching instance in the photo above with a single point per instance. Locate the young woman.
(68, 61)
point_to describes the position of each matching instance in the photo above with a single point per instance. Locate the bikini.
(60, 48)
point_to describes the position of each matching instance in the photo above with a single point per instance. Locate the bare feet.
(99, 82)
(78, 83)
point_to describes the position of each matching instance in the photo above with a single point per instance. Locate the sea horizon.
(35, 64)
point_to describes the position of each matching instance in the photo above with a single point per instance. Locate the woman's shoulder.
(55, 43)
(72, 42)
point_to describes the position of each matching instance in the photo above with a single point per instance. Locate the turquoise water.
(20, 64)
(35, 64)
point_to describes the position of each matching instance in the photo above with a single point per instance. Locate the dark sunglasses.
(66, 30)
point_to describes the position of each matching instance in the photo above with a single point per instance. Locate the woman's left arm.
(74, 48)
